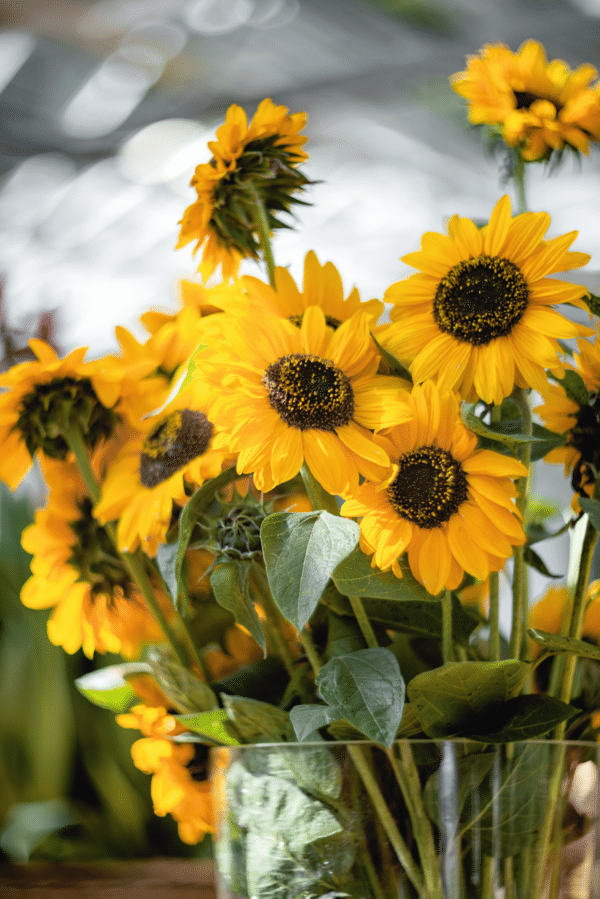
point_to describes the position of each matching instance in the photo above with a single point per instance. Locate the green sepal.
(396, 367)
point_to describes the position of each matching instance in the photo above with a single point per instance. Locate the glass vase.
(423, 820)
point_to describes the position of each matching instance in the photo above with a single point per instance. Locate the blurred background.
(105, 109)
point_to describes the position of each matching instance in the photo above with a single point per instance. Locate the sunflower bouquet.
(290, 512)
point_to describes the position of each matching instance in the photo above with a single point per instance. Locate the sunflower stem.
(521, 397)
(76, 444)
(317, 495)
(357, 754)
(518, 177)
(494, 612)
(447, 649)
(262, 226)
(310, 649)
(363, 622)
(264, 596)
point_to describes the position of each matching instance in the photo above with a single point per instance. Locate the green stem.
(407, 777)
(389, 825)
(318, 496)
(494, 614)
(447, 647)
(76, 444)
(310, 649)
(363, 622)
(518, 177)
(262, 226)
(579, 607)
(520, 569)
(274, 617)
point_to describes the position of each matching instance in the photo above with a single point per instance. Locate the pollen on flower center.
(428, 488)
(480, 299)
(175, 441)
(309, 392)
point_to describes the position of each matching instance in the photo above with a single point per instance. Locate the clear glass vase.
(425, 819)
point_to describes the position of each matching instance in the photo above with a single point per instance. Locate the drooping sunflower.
(477, 316)
(169, 452)
(538, 106)
(283, 395)
(76, 570)
(580, 421)
(322, 286)
(248, 161)
(180, 785)
(43, 397)
(446, 503)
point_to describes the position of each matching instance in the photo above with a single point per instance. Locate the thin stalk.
(520, 569)
(554, 792)
(518, 177)
(274, 618)
(262, 225)
(447, 647)
(310, 649)
(407, 777)
(389, 825)
(363, 622)
(318, 496)
(494, 614)
(139, 577)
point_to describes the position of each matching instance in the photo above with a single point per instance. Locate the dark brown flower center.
(429, 487)
(309, 392)
(176, 440)
(524, 99)
(480, 299)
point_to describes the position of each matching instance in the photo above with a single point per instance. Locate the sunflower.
(292, 394)
(446, 503)
(547, 614)
(247, 161)
(44, 396)
(561, 413)
(322, 287)
(76, 570)
(537, 106)
(155, 469)
(476, 318)
(179, 771)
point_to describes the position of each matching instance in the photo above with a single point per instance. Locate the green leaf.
(301, 551)
(209, 725)
(509, 433)
(186, 692)
(311, 768)
(545, 441)
(410, 726)
(536, 561)
(592, 507)
(166, 556)
(229, 582)
(410, 616)
(555, 643)
(574, 386)
(108, 687)
(355, 577)
(522, 718)
(396, 367)
(447, 700)
(367, 689)
(252, 721)
(593, 302)
(264, 679)
(307, 719)
(194, 507)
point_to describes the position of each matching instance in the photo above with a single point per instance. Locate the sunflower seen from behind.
(78, 574)
(537, 106)
(477, 317)
(250, 162)
(283, 395)
(447, 504)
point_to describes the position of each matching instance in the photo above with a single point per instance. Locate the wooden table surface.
(167, 878)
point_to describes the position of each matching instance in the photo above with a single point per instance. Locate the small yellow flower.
(538, 106)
